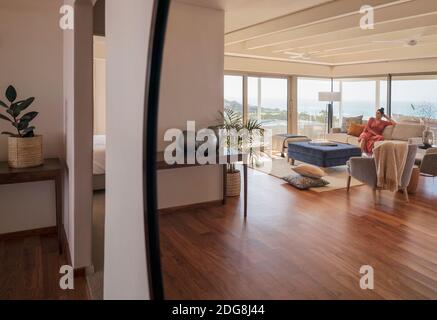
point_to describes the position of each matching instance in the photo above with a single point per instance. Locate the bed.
(99, 150)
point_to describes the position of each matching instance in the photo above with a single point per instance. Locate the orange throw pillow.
(356, 129)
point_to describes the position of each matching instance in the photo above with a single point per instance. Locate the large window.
(362, 97)
(358, 98)
(312, 113)
(415, 98)
(233, 89)
(267, 99)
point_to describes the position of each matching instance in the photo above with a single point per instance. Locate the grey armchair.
(364, 170)
(429, 163)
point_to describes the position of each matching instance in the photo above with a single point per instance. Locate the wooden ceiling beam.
(325, 12)
(343, 36)
(401, 12)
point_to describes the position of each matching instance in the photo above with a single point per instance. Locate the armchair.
(429, 163)
(364, 170)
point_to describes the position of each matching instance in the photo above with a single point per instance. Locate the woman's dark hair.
(382, 110)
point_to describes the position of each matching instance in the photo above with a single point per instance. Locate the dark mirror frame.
(150, 135)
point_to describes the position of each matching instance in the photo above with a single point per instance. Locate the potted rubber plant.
(24, 147)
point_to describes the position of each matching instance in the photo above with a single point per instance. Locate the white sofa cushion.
(388, 132)
(405, 131)
(337, 137)
(353, 141)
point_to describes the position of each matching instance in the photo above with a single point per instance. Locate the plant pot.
(233, 184)
(25, 152)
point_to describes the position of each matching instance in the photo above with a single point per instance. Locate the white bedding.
(99, 151)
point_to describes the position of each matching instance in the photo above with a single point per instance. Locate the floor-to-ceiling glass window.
(414, 97)
(268, 103)
(233, 93)
(312, 114)
(360, 97)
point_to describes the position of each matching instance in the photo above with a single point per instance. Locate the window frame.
(246, 76)
(292, 98)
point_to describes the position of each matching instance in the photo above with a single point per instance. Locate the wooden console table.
(223, 160)
(50, 170)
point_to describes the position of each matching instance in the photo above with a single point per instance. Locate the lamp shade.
(329, 96)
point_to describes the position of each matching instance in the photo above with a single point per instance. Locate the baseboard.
(29, 233)
(66, 247)
(191, 207)
(78, 272)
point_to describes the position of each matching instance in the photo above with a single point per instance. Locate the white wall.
(31, 60)
(78, 106)
(250, 65)
(239, 64)
(191, 90)
(394, 67)
(127, 31)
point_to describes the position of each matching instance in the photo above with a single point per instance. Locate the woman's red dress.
(369, 137)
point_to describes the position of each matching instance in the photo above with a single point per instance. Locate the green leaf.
(11, 94)
(23, 125)
(4, 105)
(12, 113)
(19, 106)
(5, 118)
(28, 132)
(8, 133)
(29, 116)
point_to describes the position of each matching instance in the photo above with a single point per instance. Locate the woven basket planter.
(25, 152)
(233, 184)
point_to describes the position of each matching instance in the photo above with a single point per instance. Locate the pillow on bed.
(309, 171)
(305, 183)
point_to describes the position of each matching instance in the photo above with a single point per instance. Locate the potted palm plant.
(24, 147)
(233, 122)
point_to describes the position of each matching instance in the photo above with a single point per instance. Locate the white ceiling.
(330, 34)
(327, 32)
(244, 13)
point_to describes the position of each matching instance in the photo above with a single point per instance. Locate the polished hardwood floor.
(303, 245)
(29, 270)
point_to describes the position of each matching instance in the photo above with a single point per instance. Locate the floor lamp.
(329, 97)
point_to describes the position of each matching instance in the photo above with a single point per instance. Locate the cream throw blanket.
(390, 159)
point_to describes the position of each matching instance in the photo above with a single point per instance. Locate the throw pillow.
(305, 183)
(355, 129)
(347, 122)
(309, 171)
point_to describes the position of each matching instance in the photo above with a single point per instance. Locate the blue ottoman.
(322, 156)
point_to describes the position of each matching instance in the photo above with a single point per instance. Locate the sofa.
(409, 132)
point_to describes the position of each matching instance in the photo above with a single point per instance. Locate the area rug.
(279, 167)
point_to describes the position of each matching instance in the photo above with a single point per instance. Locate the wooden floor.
(29, 270)
(303, 245)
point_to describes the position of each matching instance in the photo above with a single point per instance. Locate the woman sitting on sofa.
(373, 131)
